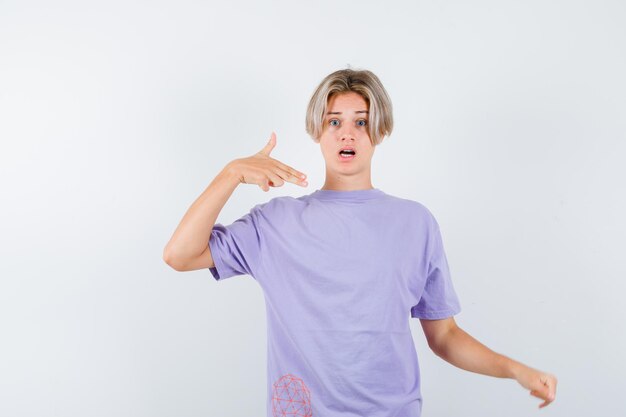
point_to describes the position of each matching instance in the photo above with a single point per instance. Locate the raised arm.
(188, 247)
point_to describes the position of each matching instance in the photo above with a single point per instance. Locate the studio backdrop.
(115, 116)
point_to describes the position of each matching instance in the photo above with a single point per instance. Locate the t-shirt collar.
(349, 195)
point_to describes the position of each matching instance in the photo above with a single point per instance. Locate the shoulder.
(415, 210)
(277, 206)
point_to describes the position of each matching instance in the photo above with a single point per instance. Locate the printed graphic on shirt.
(291, 397)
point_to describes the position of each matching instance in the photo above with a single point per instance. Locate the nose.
(347, 133)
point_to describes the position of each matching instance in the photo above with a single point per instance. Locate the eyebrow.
(338, 112)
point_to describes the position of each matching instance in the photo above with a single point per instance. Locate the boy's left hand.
(541, 384)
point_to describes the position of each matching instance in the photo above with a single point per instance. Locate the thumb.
(270, 145)
(541, 391)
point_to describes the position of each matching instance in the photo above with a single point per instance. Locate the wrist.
(231, 172)
(515, 369)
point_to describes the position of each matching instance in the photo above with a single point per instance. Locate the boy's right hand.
(264, 171)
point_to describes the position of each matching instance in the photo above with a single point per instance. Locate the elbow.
(439, 343)
(433, 346)
(446, 341)
(436, 350)
(171, 260)
(439, 350)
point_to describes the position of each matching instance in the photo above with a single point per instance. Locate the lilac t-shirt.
(342, 272)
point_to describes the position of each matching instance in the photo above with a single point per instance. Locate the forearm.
(463, 351)
(192, 235)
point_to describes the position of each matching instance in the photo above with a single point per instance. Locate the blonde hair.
(362, 82)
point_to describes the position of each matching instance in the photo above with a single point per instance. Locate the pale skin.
(347, 125)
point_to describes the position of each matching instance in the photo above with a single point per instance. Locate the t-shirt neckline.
(348, 195)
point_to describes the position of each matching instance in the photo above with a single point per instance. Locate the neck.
(342, 182)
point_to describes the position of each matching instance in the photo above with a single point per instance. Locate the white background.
(115, 116)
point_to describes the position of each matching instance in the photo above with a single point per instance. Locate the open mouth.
(347, 154)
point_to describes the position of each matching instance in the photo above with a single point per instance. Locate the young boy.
(342, 270)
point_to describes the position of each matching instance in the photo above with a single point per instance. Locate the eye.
(364, 122)
(333, 120)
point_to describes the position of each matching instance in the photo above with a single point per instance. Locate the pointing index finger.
(292, 171)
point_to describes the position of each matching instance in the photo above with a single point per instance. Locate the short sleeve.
(439, 299)
(236, 248)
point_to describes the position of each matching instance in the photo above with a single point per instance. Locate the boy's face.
(347, 125)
